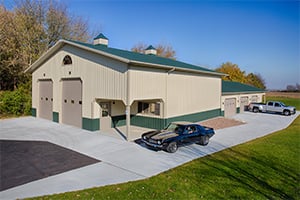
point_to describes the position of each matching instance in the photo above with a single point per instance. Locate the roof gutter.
(242, 92)
(172, 68)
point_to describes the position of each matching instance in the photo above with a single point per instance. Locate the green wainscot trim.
(222, 113)
(55, 116)
(147, 122)
(196, 117)
(90, 124)
(33, 112)
(159, 123)
(138, 120)
(117, 121)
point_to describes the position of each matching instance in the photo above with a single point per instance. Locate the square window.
(72, 101)
(66, 101)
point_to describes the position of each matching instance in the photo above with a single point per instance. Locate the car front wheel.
(172, 147)
(286, 112)
(204, 140)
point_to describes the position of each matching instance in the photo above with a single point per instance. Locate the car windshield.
(282, 104)
(175, 128)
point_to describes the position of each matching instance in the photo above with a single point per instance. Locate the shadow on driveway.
(25, 161)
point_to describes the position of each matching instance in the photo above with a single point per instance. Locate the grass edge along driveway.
(265, 168)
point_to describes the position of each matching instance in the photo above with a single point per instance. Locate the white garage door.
(230, 107)
(72, 102)
(243, 104)
(45, 99)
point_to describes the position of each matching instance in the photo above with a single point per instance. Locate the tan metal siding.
(101, 78)
(147, 83)
(191, 93)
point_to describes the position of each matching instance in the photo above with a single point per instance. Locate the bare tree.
(162, 50)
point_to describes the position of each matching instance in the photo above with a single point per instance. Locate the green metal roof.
(230, 87)
(143, 58)
(150, 47)
(100, 36)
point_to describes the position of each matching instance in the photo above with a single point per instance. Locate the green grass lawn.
(286, 100)
(265, 168)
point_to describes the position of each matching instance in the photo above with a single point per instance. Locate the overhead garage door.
(254, 98)
(243, 104)
(45, 99)
(72, 102)
(230, 107)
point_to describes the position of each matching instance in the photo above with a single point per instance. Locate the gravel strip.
(220, 123)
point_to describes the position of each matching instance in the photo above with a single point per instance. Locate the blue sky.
(260, 36)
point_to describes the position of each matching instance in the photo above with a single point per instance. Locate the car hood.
(290, 107)
(161, 135)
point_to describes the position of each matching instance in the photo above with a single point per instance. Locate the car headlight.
(158, 142)
(144, 137)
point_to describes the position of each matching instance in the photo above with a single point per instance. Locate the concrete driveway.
(121, 161)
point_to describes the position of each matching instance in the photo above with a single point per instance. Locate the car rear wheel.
(172, 147)
(255, 110)
(204, 140)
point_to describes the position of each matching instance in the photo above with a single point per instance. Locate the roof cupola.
(150, 50)
(101, 39)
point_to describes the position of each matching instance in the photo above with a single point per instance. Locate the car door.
(270, 107)
(277, 107)
(192, 134)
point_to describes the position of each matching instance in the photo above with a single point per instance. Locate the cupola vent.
(150, 50)
(101, 39)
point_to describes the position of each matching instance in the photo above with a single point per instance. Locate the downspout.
(127, 110)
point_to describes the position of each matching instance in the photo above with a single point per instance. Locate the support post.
(127, 112)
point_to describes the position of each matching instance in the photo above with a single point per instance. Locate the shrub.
(17, 102)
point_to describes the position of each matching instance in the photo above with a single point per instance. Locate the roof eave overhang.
(62, 43)
(173, 68)
(243, 92)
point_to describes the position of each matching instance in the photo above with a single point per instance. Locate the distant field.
(289, 98)
(284, 94)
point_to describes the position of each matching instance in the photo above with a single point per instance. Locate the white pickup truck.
(272, 106)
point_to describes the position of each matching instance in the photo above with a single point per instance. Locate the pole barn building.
(95, 87)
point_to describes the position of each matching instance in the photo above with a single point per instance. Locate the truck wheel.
(286, 112)
(172, 147)
(255, 110)
(204, 140)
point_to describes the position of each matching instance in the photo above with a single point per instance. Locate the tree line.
(29, 30)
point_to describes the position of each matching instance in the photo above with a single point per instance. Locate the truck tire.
(204, 140)
(286, 112)
(172, 147)
(255, 110)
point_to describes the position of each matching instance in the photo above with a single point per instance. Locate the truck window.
(277, 105)
(270, 104)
